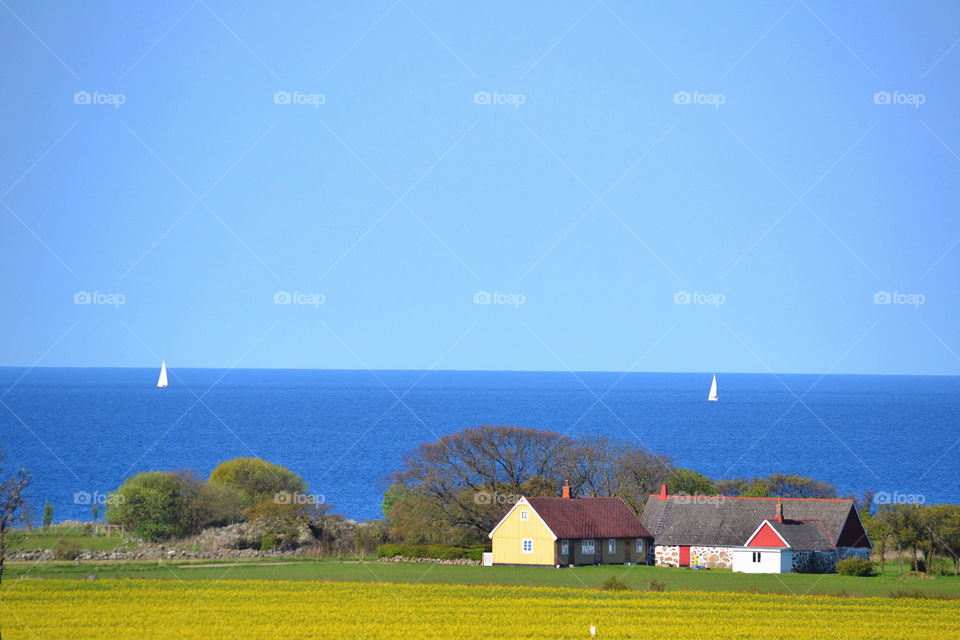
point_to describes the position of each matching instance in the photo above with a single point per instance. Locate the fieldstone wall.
(667, 556)
(814, 561)
(712, 557)
(459, 561)
(852, 552)
(34, 555)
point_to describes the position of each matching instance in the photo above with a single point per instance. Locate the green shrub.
(855, 567)
(256, 480)
(268, 542)
(656, 585)
(613, 583)
(67, 550)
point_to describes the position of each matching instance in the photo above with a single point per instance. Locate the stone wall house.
(711, 531)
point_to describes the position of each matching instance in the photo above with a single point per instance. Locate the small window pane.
(639, 545)
(587, 547)
(524, 515)
(565, 546)
(527, 545)
(611, 546)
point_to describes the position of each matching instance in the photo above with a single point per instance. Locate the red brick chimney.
(779, 516)
(565, 492)
(663, 492)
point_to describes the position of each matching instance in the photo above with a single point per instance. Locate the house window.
(527, 545)
(756, 556)
(586, 548)
(564, 547)
(612, 546)
(524, 515)
(639, 545)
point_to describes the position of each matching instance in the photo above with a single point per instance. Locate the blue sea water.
(80, 432)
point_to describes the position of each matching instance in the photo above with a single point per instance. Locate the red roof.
(589, 517)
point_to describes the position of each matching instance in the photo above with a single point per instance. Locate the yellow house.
(570, 531)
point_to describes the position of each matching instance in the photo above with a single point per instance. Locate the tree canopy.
(256, 480)
(456, 488)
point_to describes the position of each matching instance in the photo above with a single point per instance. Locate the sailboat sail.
(713, 390)
(162, 382)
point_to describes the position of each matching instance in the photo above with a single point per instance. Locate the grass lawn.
(58, 536)
(637, 577)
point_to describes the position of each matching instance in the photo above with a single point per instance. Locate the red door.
(684, 556)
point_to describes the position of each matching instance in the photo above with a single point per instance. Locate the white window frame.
(524, 514)
(524, 545)
(611, 546)
(564, 547)
(584, 546)
(756, 556)
(639, 545)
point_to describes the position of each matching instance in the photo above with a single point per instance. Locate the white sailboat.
(713, 397)
(162, 381)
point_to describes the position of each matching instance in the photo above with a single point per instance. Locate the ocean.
(80, 432)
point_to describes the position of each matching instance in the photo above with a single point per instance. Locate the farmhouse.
(570, 531)
(757, 535)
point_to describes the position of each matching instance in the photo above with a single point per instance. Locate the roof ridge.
(657, 495)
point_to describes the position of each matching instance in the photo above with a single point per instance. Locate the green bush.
(268, 542)
(656, 585)
(151, 504)
(256, 480)
(67, 550)
(613, 583)
(855, 567)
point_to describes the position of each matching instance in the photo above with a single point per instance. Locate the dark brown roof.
(716, 520)
(803, 535)
(589, 517)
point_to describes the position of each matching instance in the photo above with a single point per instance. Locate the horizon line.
(562, 371)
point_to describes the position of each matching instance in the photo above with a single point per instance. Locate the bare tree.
(457, 488)
(13, 497)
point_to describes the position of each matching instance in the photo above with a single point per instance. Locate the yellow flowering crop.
(157, 609)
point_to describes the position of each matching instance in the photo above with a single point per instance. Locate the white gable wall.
(772, 560)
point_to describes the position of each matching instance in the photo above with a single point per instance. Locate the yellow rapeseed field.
(281, 610)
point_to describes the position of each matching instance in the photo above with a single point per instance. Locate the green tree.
(686, 482)
(151, 504)
(47, 515)
(950, 534)
(256, 480)
(879, 531)
(794, 486)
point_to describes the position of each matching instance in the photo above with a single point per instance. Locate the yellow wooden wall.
(507, 540)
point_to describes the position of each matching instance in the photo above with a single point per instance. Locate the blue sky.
(777, 166)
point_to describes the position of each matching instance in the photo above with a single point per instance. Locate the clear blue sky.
(595, 202)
